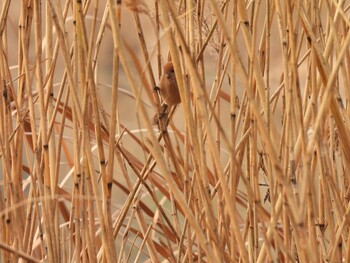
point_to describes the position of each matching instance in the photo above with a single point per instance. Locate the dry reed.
(251, 167)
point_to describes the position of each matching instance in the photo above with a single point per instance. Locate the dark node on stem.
(321, 226)
(165, 132)
(109, 185)
(246, 23)
(45, 146)
(4, 93)
(156, 89)
(308, 39)
(103, 162)
(293, 180)
(233, 116)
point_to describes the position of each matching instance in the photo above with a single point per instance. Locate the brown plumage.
(168, 90)
(168, 86)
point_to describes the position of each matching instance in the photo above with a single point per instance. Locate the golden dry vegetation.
(252, 166)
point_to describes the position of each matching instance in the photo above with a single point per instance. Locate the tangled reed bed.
(252, 166)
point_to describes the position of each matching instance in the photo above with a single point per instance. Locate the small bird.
(168, 90)
(168, 86)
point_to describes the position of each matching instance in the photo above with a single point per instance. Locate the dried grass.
(251, 167)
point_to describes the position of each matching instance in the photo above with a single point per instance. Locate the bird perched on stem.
(168, 89)
(168, 86)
